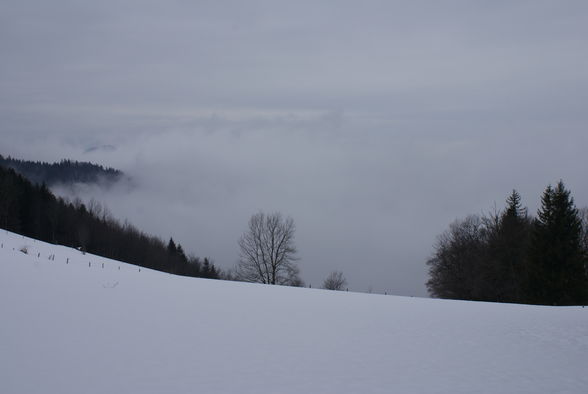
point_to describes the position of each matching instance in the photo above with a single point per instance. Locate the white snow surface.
(75, 328)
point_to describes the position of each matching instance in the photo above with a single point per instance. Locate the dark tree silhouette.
(335, 281)
(557, 274)
(508, 242)
(454, 268)
(268, 253)
(63, 172)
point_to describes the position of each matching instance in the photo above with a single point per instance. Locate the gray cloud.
(372, 126)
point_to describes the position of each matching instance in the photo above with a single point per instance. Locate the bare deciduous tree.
(267, 251)
(335, 281)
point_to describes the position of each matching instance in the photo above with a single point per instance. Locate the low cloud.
(373, 127)
(367, 200)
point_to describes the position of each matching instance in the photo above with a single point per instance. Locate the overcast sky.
(373, 124)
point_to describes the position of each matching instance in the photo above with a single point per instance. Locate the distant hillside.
(63, 172)
(33, 211)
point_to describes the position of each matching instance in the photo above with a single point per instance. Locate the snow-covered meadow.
(84, 324)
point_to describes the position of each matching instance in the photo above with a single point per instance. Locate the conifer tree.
(171, 247)
(507, 248)
(556, 270)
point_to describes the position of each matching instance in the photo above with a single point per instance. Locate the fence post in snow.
(38, 254)
(67, 261)
(102, 265)
(89, 263)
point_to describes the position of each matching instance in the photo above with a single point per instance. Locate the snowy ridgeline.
(75, 323)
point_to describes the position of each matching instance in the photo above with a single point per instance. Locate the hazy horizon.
(373, 126)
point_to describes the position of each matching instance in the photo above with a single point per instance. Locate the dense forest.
(63, 172)
(510, 256)
(32, 210)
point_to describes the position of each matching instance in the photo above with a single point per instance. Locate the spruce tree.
(507, 248)
(171, 247)
(556, 271)
(514, 208)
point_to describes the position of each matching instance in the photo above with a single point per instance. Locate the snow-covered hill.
(72, 325)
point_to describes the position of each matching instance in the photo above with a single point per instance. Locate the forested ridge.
(32, 210)
(62, 172)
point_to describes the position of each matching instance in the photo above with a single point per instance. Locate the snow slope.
(75, 328)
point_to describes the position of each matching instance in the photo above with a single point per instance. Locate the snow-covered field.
(75, 328)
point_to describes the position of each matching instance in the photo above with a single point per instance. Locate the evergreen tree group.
(62, 172)
(32, 210)
(511, 257)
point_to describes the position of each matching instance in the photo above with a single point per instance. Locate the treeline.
(510, 256)
(65, 171)
(32, 210)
